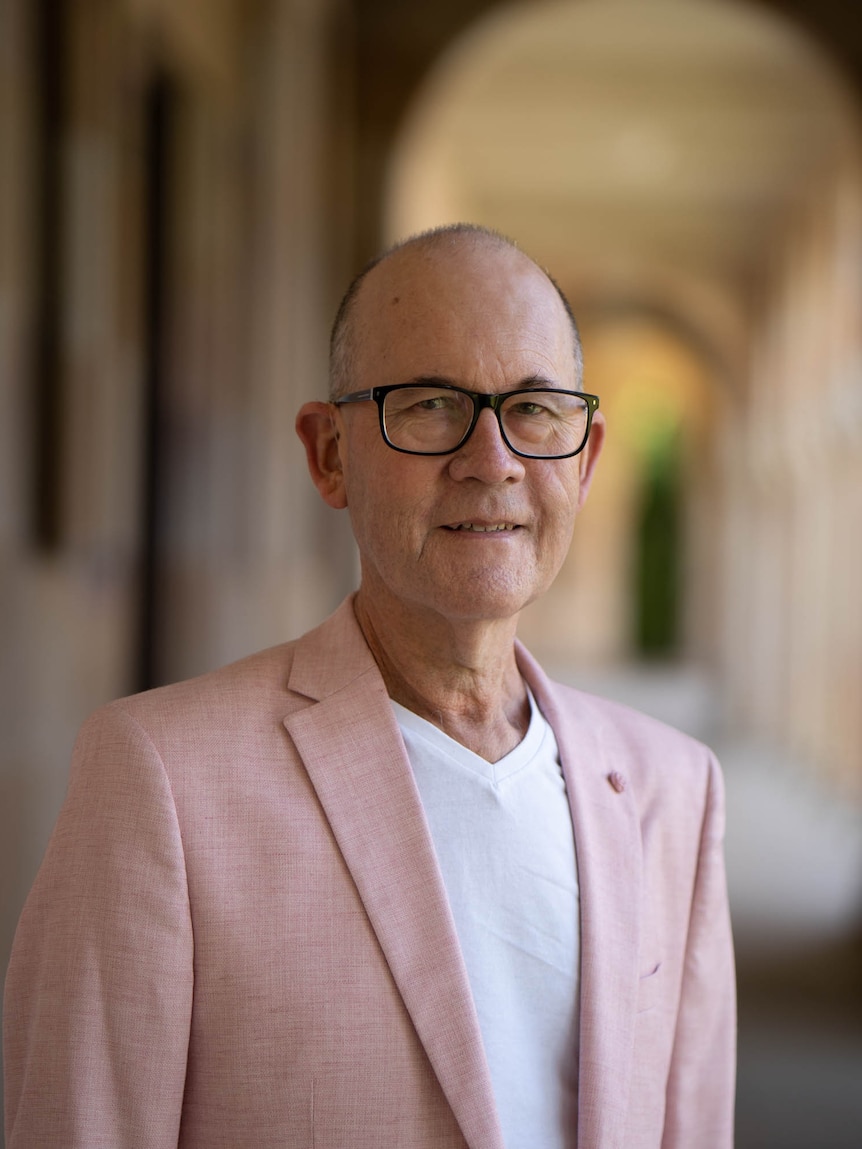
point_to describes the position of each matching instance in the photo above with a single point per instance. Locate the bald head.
(457, 251)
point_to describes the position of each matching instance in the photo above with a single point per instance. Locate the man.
(387, 886)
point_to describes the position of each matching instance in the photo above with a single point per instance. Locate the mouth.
(482, 528)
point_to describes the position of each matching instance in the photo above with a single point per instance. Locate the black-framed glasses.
(438, 418)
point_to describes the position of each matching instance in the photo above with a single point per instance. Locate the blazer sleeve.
(701, 1082)
(99, 991)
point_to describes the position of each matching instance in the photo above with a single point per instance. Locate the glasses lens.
(545, 423)
(426, 420)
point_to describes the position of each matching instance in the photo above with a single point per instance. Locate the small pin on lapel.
(617, 781)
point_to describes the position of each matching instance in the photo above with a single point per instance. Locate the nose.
(485, 455)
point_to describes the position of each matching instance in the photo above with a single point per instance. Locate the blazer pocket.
(649, 988)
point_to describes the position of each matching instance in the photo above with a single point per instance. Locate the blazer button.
(617, 781)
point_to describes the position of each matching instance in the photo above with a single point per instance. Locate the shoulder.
(602, 736)
(220, 696)
(190, 729)
(622, 727)
(673, 780)
(241, 700)
(666, 769)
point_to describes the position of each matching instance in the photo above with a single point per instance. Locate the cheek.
(386, 508)
(559, 499)
(557, 544)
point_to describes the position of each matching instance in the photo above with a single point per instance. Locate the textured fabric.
(502, 834)
(239, 937)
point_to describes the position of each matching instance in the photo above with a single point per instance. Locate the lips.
(482, 528)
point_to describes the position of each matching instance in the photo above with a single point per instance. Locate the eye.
(528, 407)
(434, 403)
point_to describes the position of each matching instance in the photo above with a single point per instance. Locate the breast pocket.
(650, 987)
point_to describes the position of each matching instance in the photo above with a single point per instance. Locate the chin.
(484, 600)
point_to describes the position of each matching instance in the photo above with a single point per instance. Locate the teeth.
(487, 530)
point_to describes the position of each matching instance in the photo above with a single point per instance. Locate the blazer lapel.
(608, 850)
(352, 750)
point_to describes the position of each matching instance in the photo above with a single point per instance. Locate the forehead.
(474, 314)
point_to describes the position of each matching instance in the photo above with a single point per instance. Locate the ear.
(316, 427)
(590, 456)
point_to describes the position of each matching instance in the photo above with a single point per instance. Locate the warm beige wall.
(794, 650)
(246, 562)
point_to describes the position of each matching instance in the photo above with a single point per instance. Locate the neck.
(462, 676)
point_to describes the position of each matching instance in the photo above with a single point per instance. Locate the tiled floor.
(800, 1051)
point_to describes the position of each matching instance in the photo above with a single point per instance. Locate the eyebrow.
(531, 382)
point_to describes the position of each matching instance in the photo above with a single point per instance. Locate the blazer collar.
(354, 755)
(353, 752)
(609, 855)
(330, 657)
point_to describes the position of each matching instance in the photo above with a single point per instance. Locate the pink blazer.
(239, 936)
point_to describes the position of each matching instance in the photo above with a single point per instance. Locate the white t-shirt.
(503, 836)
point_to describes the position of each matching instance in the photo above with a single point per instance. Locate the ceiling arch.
(652, 145)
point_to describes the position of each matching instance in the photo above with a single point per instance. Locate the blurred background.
(185, 189)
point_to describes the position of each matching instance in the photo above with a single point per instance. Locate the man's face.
(479, 533)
